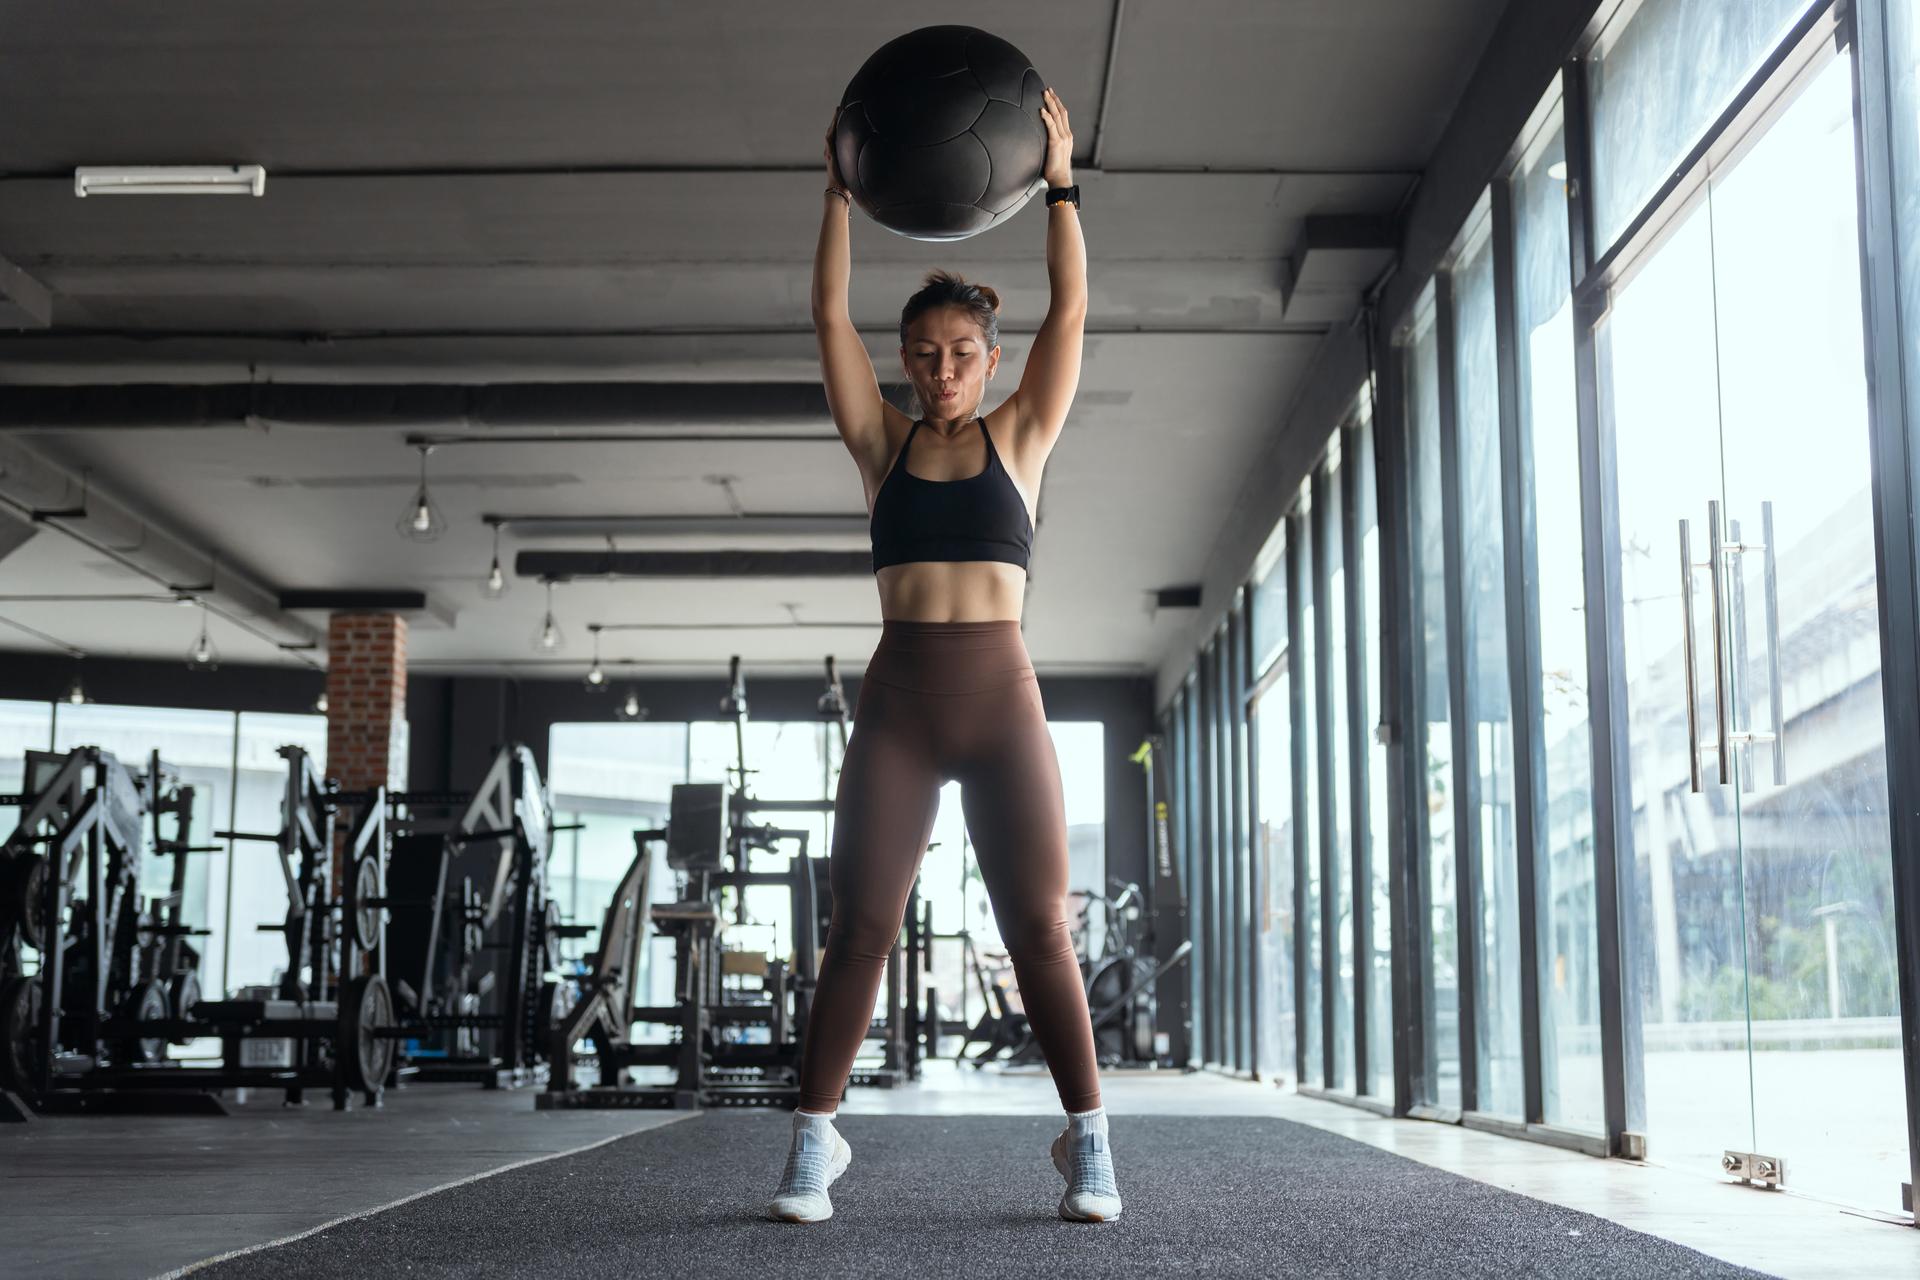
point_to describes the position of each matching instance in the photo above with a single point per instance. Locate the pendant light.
(596, 676)
(76, 694)
(548, 638)
(422, 521)
(203, 656)
(495, 584)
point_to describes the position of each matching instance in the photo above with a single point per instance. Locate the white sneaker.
(812, 1165)
(1091, 1195)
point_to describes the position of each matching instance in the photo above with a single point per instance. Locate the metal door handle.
(1774, 691)
(1686, 654)
(1716, 557)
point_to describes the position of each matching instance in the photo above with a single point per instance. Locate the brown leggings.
(949, 700)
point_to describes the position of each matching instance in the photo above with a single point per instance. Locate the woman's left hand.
(1058, 170)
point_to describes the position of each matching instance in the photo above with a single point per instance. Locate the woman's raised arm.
(853, 391)
(1052, 375)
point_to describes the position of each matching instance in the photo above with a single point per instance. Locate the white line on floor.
(192, 1267)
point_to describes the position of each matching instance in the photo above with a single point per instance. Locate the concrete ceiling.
(611, 192)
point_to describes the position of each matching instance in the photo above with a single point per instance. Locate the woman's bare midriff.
(952, 591)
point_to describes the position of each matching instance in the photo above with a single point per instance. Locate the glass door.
(1760, 924)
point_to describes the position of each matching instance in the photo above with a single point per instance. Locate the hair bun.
(993, 299)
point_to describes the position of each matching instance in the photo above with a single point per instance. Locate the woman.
(950, 691)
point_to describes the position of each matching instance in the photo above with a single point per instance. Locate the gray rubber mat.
(944, 1195)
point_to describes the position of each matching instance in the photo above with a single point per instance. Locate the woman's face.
(948, 361)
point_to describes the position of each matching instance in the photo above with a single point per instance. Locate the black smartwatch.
(1058, 195)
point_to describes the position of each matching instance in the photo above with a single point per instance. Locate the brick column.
(367, 700)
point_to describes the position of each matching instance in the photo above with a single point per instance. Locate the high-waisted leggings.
(940, 701)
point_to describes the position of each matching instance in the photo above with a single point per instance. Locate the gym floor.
(188, 1189)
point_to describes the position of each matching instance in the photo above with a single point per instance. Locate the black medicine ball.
(940, 135)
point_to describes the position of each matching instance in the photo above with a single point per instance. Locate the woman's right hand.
(833, 163)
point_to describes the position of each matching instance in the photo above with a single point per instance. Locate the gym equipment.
(1001, 1027)
(115, 984)
(166, 957)
(1120, 984)
(939, 135)
(723, 997)
(1165, 913)
(472, 933)
(715, 1062)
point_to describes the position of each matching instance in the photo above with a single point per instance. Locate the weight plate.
(1143, 1033)
(366, 1057)
(19, 1028)
(28, 900)
(148, 1003)
(363, 918)
(183, 993)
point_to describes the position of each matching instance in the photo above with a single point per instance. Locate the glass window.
(1243, 884)
(1226, 1021)
(1339, 851)
(1196, 882)
(1555, 591)
(1308, 808)
(1377, 970)
(24, 727)
(1081, 748)
(1270, 601)
(1273, 728)
(1903, 49)
(1489, 714)
(1660, 74)
(1433, 733)
(1216, 856)
(614, 779)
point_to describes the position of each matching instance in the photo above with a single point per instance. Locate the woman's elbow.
(1068, 307)
(829, 309)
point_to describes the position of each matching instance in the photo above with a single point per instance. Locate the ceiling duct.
(854, 530)
(561, 566)
(45, 494)
(505, 405)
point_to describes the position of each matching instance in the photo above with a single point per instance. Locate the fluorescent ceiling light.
(170, 180)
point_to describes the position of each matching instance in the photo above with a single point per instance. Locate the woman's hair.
(945, 289)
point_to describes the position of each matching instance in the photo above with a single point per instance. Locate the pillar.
(367, 700)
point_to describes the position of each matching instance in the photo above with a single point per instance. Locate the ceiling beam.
(330, 600)
(563, 566)
(785, 525)
(507, 405)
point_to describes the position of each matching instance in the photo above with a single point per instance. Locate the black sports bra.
(978, 517)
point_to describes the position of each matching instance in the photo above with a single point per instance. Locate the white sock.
(1088, 1163)
(1094, 1121)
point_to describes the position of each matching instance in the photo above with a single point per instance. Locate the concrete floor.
(106, 1197)
(111, 1197)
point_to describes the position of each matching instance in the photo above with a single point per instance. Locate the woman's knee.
(1040, 931)
(862, 936)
